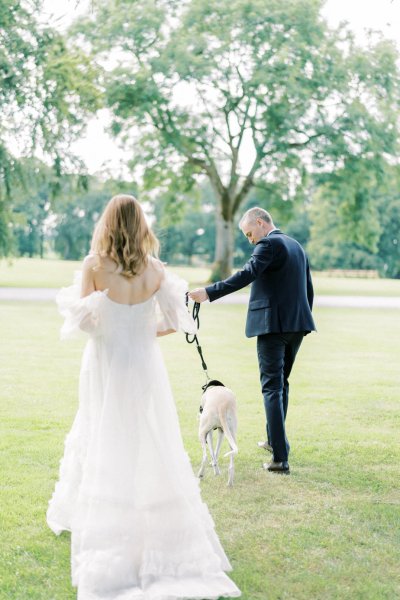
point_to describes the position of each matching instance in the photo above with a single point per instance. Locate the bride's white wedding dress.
(127, 492)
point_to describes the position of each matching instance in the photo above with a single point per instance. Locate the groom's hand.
(198, 295)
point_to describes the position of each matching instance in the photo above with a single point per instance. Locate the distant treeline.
(45, 221)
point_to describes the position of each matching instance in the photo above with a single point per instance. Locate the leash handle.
(203, 364)
(196, 319)
(195, 316)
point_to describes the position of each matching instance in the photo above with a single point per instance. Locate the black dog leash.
(196, 319)
(194, 338)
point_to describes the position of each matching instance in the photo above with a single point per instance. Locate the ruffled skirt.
(127, 492)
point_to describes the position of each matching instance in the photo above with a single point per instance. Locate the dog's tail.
(229, 436)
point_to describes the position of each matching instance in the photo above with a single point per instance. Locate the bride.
(126, 490)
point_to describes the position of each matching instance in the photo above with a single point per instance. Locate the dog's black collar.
(212, 383)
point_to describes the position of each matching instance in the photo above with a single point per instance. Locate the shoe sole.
(279, 471)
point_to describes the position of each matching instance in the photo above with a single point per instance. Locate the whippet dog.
(218, 411)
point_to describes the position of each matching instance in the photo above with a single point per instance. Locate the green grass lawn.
(33, 272)
(328, 531)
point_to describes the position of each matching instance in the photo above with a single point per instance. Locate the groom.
(279, 314)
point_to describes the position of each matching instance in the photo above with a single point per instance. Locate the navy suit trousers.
(276, 355)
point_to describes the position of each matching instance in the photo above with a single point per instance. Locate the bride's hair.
(123, 235)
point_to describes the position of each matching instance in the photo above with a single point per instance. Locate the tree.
(355, 216)
(75, 215)
(29, 205)
(75, 223)
(182, 236)
(47, 89)
(389, 243)
(243, 92)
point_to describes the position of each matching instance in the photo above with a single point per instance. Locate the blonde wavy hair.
(123, 235)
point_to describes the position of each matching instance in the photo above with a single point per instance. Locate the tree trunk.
(223, 263)
(41, 241)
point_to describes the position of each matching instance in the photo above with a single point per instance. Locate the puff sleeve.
(172, 312)
(81, 315)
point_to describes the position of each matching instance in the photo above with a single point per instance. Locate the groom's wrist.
(210, 292)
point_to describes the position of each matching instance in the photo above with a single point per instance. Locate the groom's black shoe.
(277, 467)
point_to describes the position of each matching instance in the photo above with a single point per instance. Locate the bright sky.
(97, 148)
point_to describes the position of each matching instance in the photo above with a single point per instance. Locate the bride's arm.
(159, 268)
(88, 322)
(165, 332)
(173, 314)
(88, 285)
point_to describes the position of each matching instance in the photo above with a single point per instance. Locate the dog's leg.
(214, 461)
(231, 470)
(219, 442)
(230, 428)
(202, 438)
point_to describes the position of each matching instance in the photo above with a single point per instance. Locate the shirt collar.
(272, 230)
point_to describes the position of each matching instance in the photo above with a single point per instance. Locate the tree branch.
(247, 184)
(214, 128)
(234, 177)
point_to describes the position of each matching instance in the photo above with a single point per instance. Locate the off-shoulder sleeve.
(81, 315)
(172, 311)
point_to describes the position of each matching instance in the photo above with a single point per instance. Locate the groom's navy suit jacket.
(281, 295)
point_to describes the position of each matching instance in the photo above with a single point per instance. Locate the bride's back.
(123, 289)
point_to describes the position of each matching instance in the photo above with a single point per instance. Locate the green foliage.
(389, 243)
(76, 217)
(188, 228)
(6, 240)
(30, 207)
(10, 176)
(75, 224)
(258, 97)
(199, 78)
(50, 210)
(47, 87)
(355, 217)
(47, 90)
(69, 92)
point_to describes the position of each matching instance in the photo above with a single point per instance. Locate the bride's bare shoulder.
(96, 262)
(157, 265)
(90, 262)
